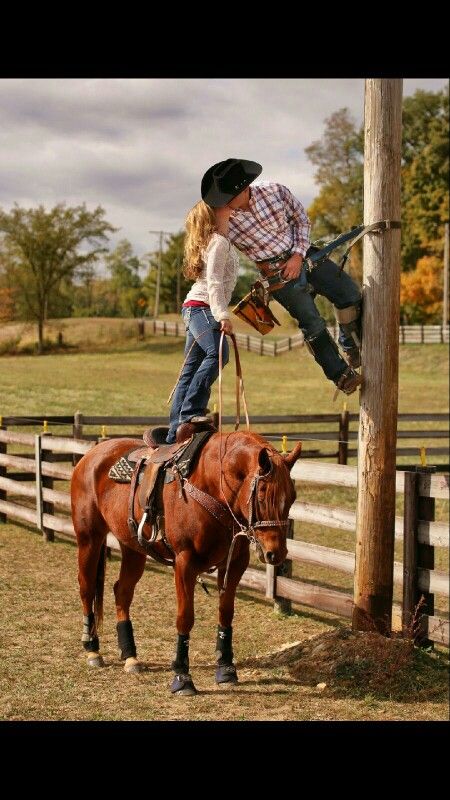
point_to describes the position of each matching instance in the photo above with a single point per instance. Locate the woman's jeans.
(201, 368)
(296, 297)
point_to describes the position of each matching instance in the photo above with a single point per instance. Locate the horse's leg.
(91, 577)
(131, 569)
(225, 669)
(185, 577)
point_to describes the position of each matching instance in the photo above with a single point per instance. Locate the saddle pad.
(121, 471)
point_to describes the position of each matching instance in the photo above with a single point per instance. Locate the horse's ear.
(264, 461)
(292, 457)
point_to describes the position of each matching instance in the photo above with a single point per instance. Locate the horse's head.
(266, 495)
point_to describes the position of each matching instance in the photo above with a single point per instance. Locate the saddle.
(148, 469)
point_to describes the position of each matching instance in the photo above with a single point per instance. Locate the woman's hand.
(226, 326)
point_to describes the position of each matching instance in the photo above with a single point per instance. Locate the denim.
(296, 297)
(201, 368)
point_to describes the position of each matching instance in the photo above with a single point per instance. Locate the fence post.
(343, 435)
(425, 552)
(410, 528)
(281, 604)
(47, 483)
(3, 449)
(77, 433)
(38, 475)
(416, 556)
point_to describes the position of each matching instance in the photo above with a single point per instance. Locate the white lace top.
(218, 278)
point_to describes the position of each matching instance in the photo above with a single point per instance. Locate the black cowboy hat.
(225, 180)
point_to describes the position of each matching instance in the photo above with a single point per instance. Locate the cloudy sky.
(138, 147)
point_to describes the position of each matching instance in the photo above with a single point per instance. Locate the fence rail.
(408, 334)
(418, 530)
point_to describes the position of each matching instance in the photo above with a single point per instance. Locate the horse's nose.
(270, 557)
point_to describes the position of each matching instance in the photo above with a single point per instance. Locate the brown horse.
(252, 493)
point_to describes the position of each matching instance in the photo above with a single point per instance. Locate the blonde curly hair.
(200, 225)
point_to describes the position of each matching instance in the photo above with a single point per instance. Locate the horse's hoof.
(183, 684)
(133, 665)
(95, 660)
(226, 673)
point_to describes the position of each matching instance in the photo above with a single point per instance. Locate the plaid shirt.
(276, 221)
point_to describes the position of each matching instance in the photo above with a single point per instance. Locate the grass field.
(43, 675)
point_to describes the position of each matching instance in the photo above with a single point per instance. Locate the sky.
(139, 146)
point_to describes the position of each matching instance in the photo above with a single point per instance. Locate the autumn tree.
(421, 291)
(44, 248)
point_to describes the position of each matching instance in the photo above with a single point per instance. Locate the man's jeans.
(328, 280)
(201, 368)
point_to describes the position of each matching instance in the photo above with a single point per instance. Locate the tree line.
(57, 263)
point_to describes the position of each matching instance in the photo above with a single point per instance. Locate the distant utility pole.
(445, 299)
(159, 268)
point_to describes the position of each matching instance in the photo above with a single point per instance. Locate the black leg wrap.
(89, 636)
(181, 660)
(225, 670)
(125, 637)
(224, 651)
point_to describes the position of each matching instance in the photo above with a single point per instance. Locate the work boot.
(349, 381)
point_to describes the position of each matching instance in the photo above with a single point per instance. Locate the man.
(272, 228)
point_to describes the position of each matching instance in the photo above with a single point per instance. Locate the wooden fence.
(334, 442)
(408, 334)
(36, 504)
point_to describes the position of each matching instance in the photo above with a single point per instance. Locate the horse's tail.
(99, 589)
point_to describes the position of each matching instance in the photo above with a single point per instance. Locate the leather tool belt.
(254, 307)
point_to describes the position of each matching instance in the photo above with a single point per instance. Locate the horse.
(250, 493)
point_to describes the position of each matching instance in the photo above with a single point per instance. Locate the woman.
(212, 262)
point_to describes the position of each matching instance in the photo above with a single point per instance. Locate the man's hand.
(226, 326)
(292, 268)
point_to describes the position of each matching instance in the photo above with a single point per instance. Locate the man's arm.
(301, 227)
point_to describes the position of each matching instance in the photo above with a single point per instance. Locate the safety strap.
(355, 234)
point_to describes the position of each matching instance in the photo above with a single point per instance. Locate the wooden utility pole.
(158, 278)
(445, 298)
(375, 523)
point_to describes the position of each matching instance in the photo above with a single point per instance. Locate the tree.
(425, 173)
(425, 170)
(338, 157)
(126, 284)
(44, 248)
